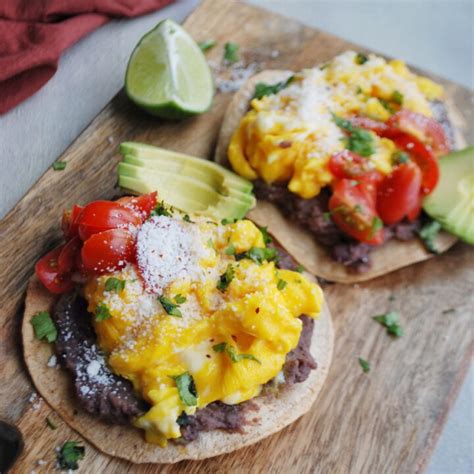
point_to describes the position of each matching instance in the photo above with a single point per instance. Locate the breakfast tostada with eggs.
(344, 157)
(183, 318)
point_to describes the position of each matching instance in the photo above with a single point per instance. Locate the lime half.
(167, 74)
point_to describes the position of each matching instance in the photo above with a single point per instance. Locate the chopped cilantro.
(266, 236)
(262, 89)
(231, 52)
(231, 352)
(226, 221)
(365, 365)
(390, 321)
(170, 307)
(361, 58)
(386, 105)
(300, 268)
(358, 208)
(259, 254)
(210, 244)
(230, 250)
(281, 284)
(376, 225)
(359, 90)
(186, 218)
(161, 210)
(400, 157)
(102, 312)
(180, 299)
(391, 298)
(428, 234)
(186, 389)
(397, 97)
(59, 165)
(69, 455)
(51, 424)
(226, 278)
(207, 44)
(44, 327)
(359, 141)
(114, 284)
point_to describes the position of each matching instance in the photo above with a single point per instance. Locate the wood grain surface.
(384, 421)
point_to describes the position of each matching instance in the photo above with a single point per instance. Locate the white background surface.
(435, 35)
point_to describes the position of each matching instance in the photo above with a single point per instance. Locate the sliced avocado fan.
(187, 183)
(452, 201)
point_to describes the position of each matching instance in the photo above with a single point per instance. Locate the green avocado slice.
(452, 201)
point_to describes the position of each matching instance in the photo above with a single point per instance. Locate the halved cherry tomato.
(107, 251)
(432, 132)
(67, 257)
(46, 270)
(68, 223)
(143, 204)
(420, 155)
(349, 165)
(399, 194)
(353, 212)
(99, 216)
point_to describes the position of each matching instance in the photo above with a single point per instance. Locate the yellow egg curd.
(205, 316)
(290, 136)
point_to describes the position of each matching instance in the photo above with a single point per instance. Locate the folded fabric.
(34, 33)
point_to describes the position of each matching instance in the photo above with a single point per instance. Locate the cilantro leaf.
(51, 424)
(260, 254)
(231, 52)
(170, 307)
(161, 210)
(359, 141)
(102, 312)
(114, 284)
(390, 321)
(400, 157)
(226, 221)
(44, 327)
(397, 97)
(281, 284)
(365, 365)
(262, 89)
(266, 236)
(231, 352)
(180, 299)
(300, 268)
(186, 389)
(230, 250)
(186, 218)
(59, 165)
(207, 44)
(428, 234)
(69, 455)
(361, 58)
(376, 225)
(226, 278)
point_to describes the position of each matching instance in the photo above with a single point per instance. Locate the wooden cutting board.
(384, 421)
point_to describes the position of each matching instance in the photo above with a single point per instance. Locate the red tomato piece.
(399, 193)
(69, 221)
(99, 216)
(353, 212)
(67, 257)
(432, 132)
(46, 270)
(420, 155)
(108, 251)
(349, 165)
(143, 204)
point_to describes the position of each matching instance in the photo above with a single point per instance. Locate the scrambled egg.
(290, 136)
(233, 330)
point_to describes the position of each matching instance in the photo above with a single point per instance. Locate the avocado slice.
(214, 179)
(179, 162)
(452, 201)
(184, 192)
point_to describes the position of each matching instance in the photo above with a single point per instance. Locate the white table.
(434, 35)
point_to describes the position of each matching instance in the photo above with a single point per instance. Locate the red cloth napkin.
(34, 33)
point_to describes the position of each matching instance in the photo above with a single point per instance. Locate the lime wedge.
(167, 74)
